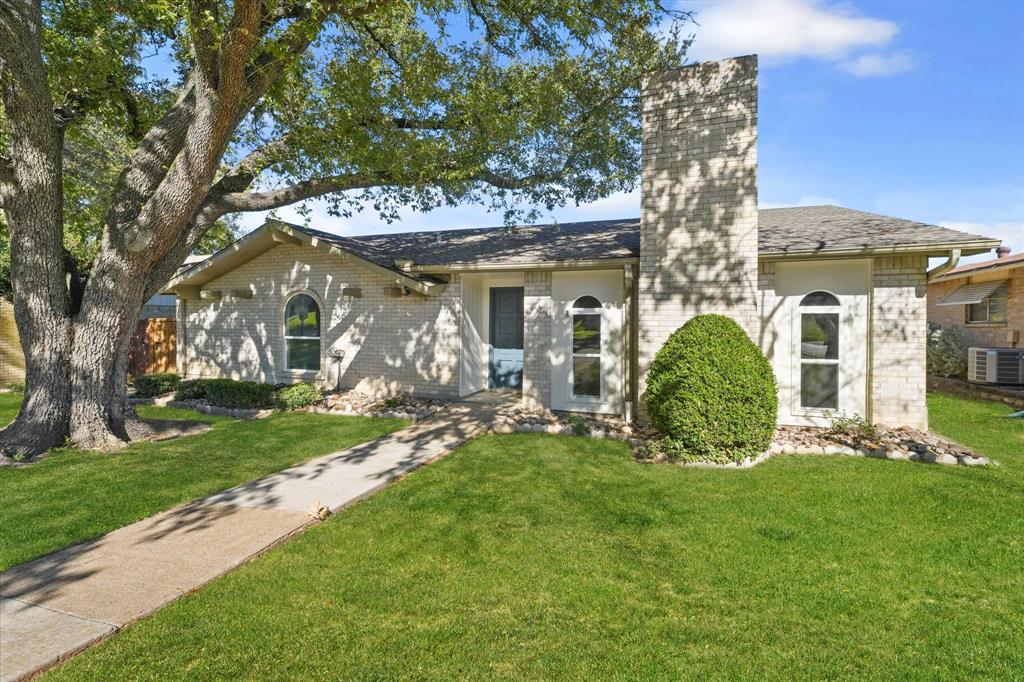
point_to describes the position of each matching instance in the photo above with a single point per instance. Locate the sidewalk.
(59, 604)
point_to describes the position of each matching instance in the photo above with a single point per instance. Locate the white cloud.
(1012, 234)
(879, 64)
(780, 31)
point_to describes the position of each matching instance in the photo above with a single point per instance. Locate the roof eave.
(271, 234)
(969, 248)
(582, 264)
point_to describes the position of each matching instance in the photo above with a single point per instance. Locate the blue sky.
(910, 109)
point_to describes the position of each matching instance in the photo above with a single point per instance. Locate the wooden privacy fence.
(153, 347)
(12, 360)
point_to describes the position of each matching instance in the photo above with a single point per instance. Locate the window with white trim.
(994, 309)
(586, 347)
(819, 351)
(302, 333)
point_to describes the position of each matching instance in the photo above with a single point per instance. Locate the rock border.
(893, 454)
(900, 444)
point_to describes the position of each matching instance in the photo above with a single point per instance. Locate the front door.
(506, 356)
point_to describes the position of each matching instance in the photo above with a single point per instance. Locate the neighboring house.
(571, 315)
(985, 300)
(164, 304)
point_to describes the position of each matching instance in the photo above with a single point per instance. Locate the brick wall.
(980, 334)
(408, 344)
(698, 234)
(537, 339)
(898, 341)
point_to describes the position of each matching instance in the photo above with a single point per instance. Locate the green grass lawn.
(532, 556)
(72, 496)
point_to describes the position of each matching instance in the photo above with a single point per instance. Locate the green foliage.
(712, 392)
(854, 427)
(13, 386)
(150, 385)
(191, 389)
(238, 394)
(297, 395)
(578, 424)
(392, 402)
(947, 351)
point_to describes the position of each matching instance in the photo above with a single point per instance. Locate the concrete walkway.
(61, 603)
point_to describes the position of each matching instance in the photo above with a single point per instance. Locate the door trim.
(490, 329)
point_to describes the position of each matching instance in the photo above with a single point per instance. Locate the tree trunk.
(31, 195)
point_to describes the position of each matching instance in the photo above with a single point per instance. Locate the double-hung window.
(302, 333)
(819, 351)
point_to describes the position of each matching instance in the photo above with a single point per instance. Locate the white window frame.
(1003, 292)
(319, 338)
(573, 311)
(802, 310)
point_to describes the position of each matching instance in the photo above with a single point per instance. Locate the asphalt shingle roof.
(833, 228)
(818, 229)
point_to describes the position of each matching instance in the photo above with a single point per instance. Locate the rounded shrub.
(712, 392)
(296, 396)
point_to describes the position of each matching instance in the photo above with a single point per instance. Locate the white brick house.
(571, 315)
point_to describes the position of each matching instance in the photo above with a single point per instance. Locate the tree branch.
(239, 202)
(203, 16)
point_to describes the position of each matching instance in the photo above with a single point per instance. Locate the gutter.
(951, 262)
(965, 248)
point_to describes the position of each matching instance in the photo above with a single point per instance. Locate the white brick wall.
(898, 341)
(409, 344)
(537, 339)
(698, 234)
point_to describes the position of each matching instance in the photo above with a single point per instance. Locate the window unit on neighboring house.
(994, 309)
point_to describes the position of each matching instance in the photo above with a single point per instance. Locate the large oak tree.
(265, 103)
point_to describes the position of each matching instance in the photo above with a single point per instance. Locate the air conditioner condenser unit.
(995, 365)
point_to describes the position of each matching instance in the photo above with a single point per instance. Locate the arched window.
(819, 351)
(819, 298)
(586, 302)
(586, 348)
(302, 333)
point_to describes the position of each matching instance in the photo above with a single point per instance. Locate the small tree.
(712, 392)
(947, 351)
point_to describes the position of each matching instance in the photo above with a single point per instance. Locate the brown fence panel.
(12, 360)
(153, 347)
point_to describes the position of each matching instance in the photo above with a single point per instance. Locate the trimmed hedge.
(712, 392)
(297, 395)
(245, 394)
(227, 393)
(191, 389)
(152, 385)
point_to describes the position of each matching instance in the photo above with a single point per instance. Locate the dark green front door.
(506, 361)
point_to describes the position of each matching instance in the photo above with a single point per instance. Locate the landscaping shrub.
(712, 393)
(235, 394)
(151, 385)
(947, 352)
(297, 395)
(191, 389)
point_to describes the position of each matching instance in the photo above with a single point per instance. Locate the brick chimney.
(698, 231)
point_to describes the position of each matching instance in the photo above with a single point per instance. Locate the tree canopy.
(130, 130)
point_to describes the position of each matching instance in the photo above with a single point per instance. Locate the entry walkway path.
(61, 603)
